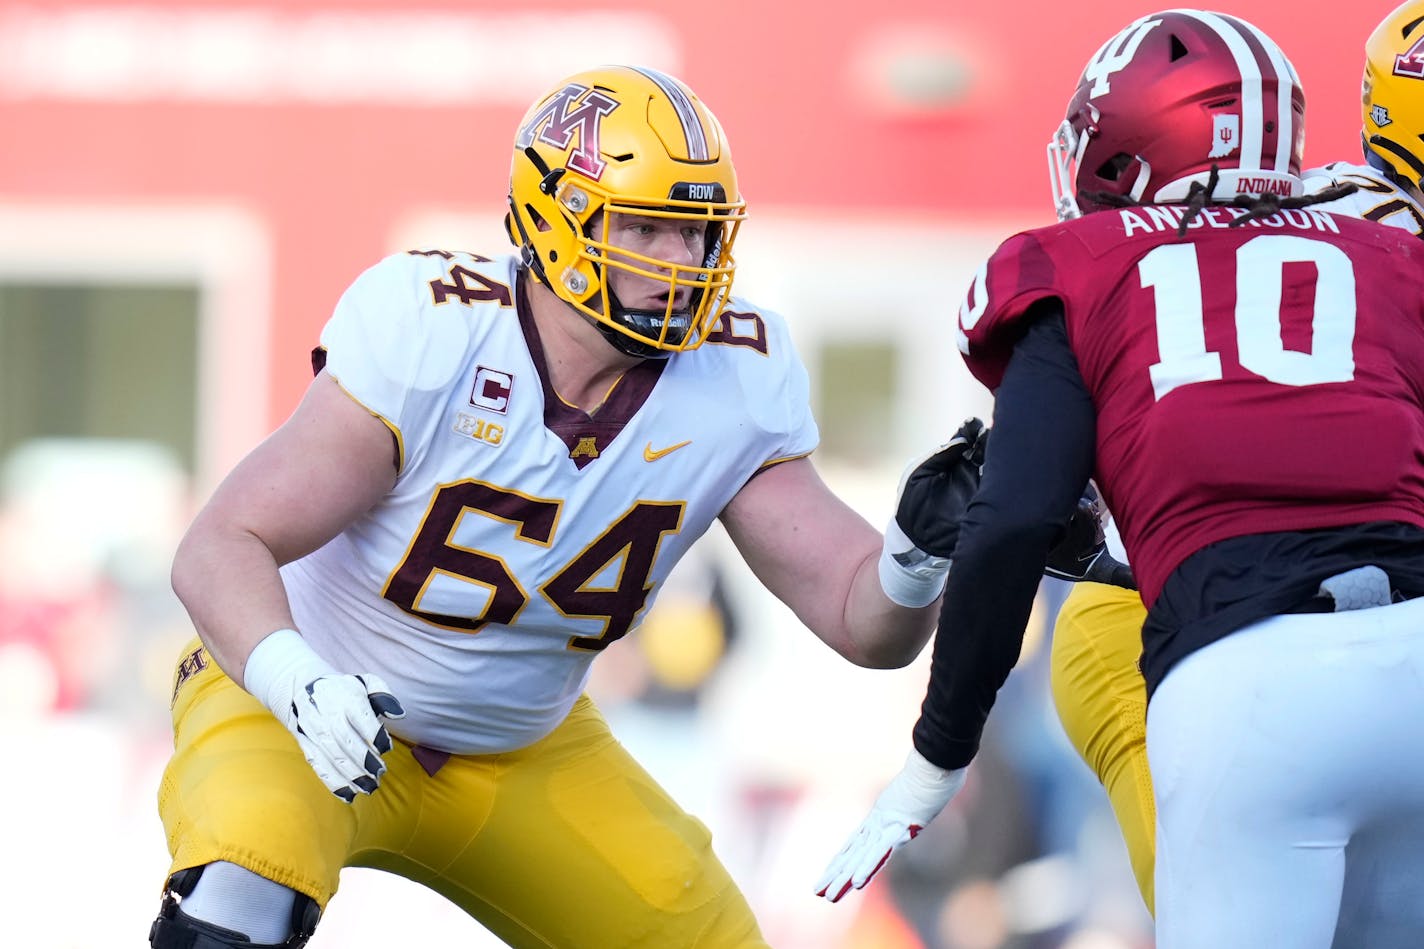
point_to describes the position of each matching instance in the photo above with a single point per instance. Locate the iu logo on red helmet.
(1168, 98)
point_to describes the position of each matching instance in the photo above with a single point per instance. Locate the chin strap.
(629, 346)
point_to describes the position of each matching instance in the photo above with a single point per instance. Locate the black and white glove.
(336, 718)
(934, 492)
(1082, 553)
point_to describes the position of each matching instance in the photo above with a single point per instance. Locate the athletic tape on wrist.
(909, 577)
(279, 659)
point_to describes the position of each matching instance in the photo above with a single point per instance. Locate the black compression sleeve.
(1040, 456)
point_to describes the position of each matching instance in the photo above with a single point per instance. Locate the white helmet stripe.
(1286, 83)
(1252, 108)
(686, 113)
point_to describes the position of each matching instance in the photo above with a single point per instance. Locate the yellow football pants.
(1102, 703)
(568, 842)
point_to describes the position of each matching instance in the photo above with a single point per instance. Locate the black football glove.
(1082, 553)
(934, 492)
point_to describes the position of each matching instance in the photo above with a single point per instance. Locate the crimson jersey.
(1247, 380)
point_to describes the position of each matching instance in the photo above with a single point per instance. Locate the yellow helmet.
(1392, 94)
(625, 140)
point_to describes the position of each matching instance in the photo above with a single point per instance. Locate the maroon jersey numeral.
(626, 551)
(470, 288)
(630, 546)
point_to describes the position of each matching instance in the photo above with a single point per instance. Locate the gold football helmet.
(625, 140)
(1392, 95)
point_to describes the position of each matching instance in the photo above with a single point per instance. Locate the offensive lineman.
(1202, 370)
(400, 591)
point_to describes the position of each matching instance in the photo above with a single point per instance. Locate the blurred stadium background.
(185, 189)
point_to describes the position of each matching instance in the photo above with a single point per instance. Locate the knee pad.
(175, 929)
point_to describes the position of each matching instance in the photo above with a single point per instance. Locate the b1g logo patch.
(479, 429)
(192, 664)
(491, 390)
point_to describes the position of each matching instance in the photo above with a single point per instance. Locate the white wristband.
(276, 664)
(909, 576)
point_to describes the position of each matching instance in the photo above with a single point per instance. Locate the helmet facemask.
(693, 293)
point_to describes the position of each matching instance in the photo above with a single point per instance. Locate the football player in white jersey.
(399, 593)
(1097, 686)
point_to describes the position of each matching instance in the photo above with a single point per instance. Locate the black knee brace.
(175, 929)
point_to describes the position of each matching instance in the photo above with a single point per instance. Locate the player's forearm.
(227, 579)
(882, 634)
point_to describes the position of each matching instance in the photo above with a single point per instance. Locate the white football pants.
(1288, 763)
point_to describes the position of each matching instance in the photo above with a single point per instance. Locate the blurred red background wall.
(911, 108)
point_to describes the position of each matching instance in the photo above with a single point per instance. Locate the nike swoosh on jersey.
(650, 455)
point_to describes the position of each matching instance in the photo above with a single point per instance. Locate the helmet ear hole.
(537, 219)
(1112, 169)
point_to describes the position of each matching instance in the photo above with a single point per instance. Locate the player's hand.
(1082, 554)
(337, 721)
(934, 492)
(336, 718)
(906, 806)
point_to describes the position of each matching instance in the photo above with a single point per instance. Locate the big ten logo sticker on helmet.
(491, 390)
(1411, 62)
(557, 120)
(479, 429)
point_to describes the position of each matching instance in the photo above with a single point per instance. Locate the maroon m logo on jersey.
(1411, 63)
(573, 109)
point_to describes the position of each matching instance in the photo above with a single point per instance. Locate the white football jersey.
(1377, 198)
(523, 536)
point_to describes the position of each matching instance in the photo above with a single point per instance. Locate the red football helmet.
(1170, 96)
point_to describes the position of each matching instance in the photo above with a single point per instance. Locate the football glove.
(906, 806)
(1082, 553)
(336, 718)
(934, 492)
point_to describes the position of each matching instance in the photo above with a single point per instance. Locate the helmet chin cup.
(655, 334)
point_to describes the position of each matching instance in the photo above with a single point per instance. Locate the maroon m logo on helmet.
(573, 112)
(1411, 62)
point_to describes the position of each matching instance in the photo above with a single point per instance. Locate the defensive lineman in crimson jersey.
(1219, 367)
(1241, 372)
(488, 653)
(1097, 640)
(1296, 313)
